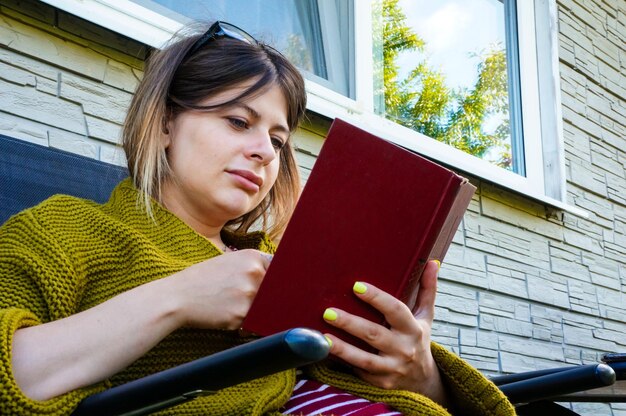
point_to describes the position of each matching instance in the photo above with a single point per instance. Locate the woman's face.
(224, 162)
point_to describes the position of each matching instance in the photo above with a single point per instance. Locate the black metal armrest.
(543, 384)
(282, 351)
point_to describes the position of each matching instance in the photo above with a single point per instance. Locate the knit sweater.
(67, 255)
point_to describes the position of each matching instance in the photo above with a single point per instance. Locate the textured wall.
(64, 82)
(523, 286)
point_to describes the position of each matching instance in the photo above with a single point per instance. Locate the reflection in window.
(443, 70)
(293, 27)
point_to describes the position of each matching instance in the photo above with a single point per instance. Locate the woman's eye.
(277, 143)
(238, 123)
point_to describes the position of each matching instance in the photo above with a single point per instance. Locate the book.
(370, 211)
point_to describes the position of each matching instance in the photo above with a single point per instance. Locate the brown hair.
(174, 82)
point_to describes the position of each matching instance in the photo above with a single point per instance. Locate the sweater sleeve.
(36, 286)
(471, 392)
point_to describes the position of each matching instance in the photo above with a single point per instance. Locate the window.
(450, 71)
(337, 44)
(313, 34)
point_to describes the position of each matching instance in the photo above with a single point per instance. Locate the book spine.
(439, 247)
(454, 218)
(428, 240)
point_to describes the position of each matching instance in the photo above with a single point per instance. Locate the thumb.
(428, 291)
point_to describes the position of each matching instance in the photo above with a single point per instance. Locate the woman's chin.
(235, 210)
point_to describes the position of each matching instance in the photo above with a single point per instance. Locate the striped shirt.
(311, 397)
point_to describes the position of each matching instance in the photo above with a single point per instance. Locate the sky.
(452, 29)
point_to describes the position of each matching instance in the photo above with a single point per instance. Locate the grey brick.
(19, 128)
(531, 348)
(16, 76)
(96, 98)
(21, 38)
(121, 75)
(445, 334)
(583, 241)
(28, 64)
(478, 362)
(517, 363)
(585, 176)
(73, 143)
(548, 292)
(455, 318)
(103, 129)
(584, 338)
(505, 325)
(28, 103)
(112, 154)
(508, 285)
(47, 86)
(457, 304)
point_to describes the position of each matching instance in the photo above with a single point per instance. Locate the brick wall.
(524, 286)
(64, 82)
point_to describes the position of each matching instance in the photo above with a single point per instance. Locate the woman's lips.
(247, 179)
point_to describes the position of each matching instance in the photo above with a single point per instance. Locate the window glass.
(448, 69)
(294, 27)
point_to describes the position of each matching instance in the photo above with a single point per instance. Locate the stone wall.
(523, 287)
(64, 82)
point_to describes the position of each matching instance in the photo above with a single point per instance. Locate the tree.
(423, 102)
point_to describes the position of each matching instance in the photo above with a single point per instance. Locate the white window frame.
(541, 114)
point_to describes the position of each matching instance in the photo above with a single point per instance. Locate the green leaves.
(424, 102)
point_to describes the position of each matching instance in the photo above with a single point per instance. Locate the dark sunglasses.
(219, 30)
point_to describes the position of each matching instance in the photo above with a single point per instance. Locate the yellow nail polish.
(330, 314)
(438, 264)
(359, 288)
(330, 341)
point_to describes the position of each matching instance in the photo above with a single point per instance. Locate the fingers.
(354, 356)
(398, 316)
(396, 313)
(375, 335)
(428, 292)
(403, 359)
(394, 310)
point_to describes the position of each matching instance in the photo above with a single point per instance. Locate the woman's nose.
(261, 148)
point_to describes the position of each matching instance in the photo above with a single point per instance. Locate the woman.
(164, 273)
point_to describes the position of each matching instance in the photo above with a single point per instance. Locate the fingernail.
(330, 341)
(330, 314)
(438, 264)
(359, 288)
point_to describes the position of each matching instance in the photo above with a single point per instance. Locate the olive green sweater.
(66, 255)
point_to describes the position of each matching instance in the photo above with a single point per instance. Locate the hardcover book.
(370, 211)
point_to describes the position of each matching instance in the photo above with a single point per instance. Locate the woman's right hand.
(59, 356)
(217, 293)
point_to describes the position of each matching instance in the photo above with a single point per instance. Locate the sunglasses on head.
(219, 30)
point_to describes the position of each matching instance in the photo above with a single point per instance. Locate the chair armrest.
(543, 384)
(272, 354)
(617, 361)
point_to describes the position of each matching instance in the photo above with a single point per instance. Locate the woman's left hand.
(404, 360)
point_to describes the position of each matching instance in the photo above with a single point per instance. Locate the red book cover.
(370, 211)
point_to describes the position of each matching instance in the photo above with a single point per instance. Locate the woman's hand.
(59, 356)
(404, 360)
(217, 293)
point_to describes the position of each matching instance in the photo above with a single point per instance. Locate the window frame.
(545, 179)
